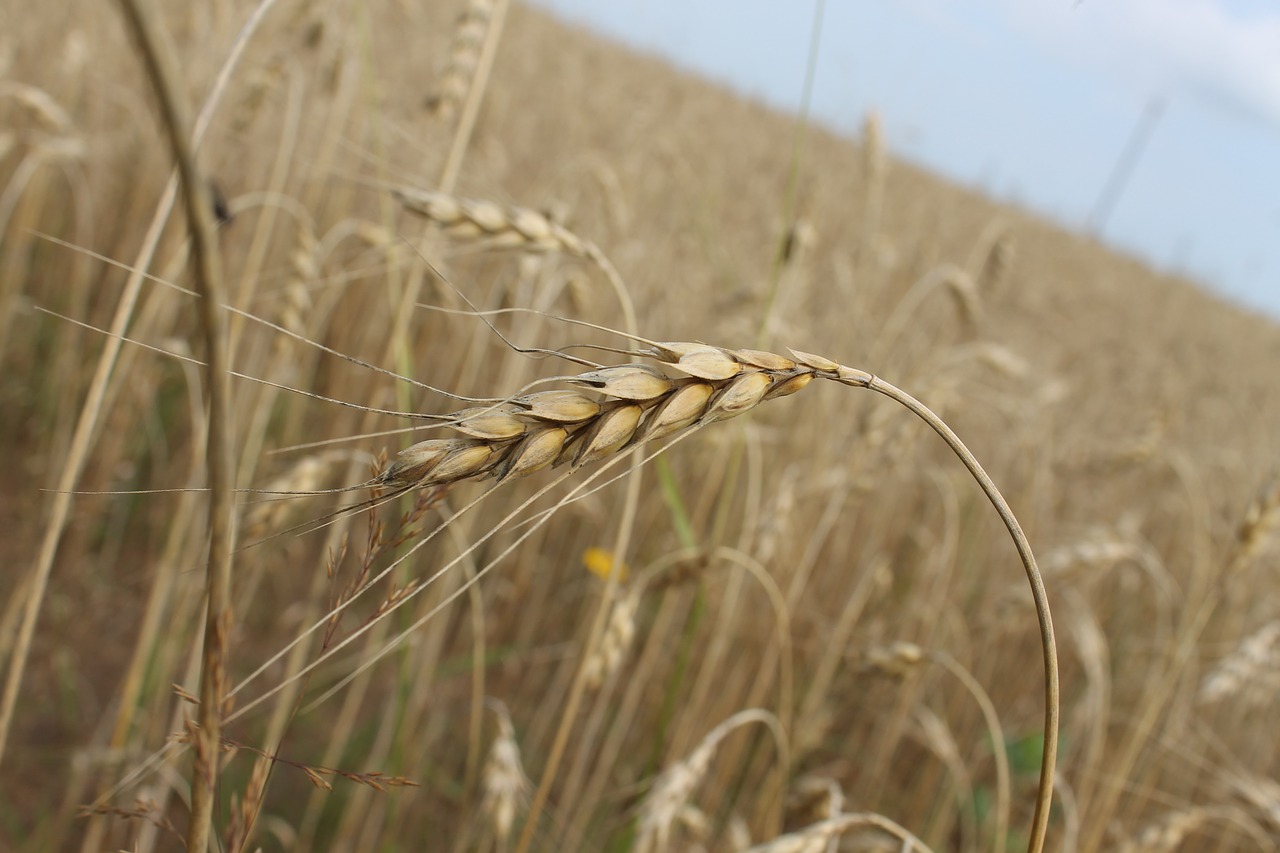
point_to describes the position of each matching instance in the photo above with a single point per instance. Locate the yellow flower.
(600, 562)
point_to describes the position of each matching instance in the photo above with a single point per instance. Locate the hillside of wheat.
(803, 624)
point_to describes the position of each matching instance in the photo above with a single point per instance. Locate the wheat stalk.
(612, 410)
(157, 54)
(86, 432)
(641, 403)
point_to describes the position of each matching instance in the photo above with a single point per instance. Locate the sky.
(1033, 102)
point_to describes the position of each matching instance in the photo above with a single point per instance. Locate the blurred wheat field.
(821, 618)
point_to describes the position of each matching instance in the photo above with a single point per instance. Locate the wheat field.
(493, 589)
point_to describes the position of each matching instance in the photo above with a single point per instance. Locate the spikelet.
(999, 264)
(992, 257)
(40, 106)
(297, 303)
(1002, 360)
(778, 520)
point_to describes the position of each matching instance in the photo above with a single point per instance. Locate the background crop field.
(821, 573)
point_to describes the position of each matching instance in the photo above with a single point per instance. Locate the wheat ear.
(641, 403)
(506, 788)
(675, 785)
(464, 58)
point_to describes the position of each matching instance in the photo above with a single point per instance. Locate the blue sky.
(1031, 101)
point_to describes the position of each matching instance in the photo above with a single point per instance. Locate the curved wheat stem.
(641, 403)
(608, 412)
